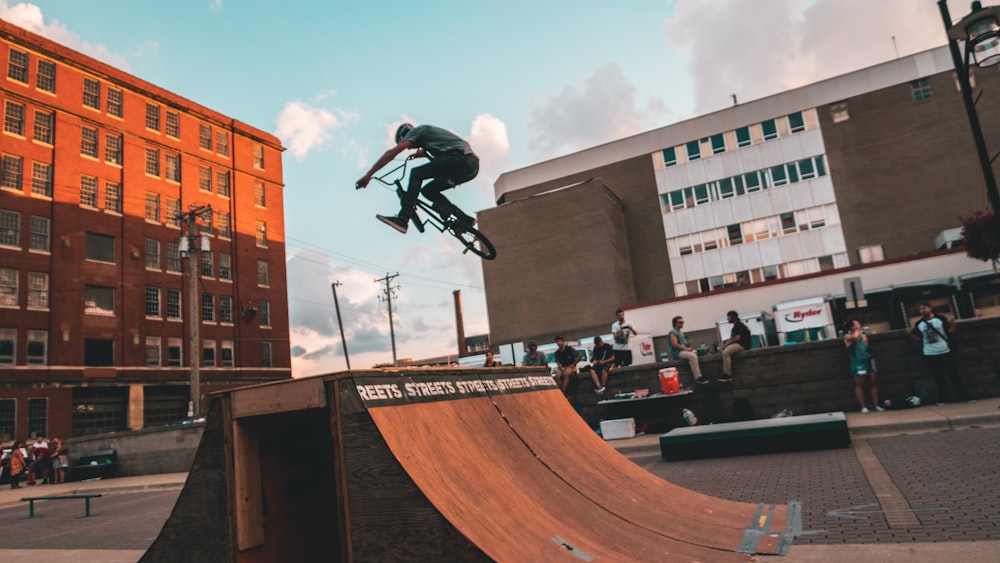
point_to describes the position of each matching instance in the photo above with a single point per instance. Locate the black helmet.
(402, 130)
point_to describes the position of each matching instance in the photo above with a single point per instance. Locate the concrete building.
(876, 165)
(105, 178)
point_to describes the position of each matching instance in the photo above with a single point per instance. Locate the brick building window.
(113, 149)
(17, 68)
(173, 124)
(839, 112)
(46, 79)
(88, 141)
(154, 353)
(10, 228)
(152, 117)
(173, 257)
(38, 416)
(225, 266)
(91, 93)
(258, 156)
(41, 179)
(207, 307)
(258, 195)
(114, 102)
(263, 277)
(88, 192)
(174, 304)
(8, 287)
(152, 254)
(8, 407)
(226, 348)
(205, 137)
(38, 290)
(43, 131)
(222, 143)
(208, 353)
(173, 167)
(222, 183)
(264, 312)
(173, 212)
(153, 162)
(113, 197)
(226, 309)
(152, 207)
(266, 358)
(99, 301)
(11, 171)
(920, 89)
(207, 265)
(38, 347)
(205, 179)
(41, 233)
(174, 349)
(100, 248)
(152, 302)
(13, 119)
(261, 232)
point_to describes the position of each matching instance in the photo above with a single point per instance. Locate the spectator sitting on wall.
(533, 357)
(739, 340)
(490, 362)
(681, 349)
(566, 360)
(604, 356)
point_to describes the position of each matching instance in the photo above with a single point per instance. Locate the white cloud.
(755, 49)
(29, 16)
(605, 109)
(303, 128)
(215, 5)
(488, 138)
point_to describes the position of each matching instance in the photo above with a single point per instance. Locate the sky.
(523, 80)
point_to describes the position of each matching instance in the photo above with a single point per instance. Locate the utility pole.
(388, 299)
(340, 322)
(193, 254)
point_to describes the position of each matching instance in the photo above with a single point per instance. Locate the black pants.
(623, 358)
(445, 172)
(943, 369)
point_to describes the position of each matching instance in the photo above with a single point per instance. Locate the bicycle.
(470, 237)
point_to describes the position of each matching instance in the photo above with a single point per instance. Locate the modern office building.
(112, 192)
(876, 165)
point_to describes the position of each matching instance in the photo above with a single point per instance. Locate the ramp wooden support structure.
(437, 465)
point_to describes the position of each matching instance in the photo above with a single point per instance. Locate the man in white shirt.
(621, 331)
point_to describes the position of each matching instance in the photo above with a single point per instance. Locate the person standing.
(679, 348)
(935, 333)
(17, 465)
(622, 331)
(862, 368)
(490, 362)
(604, 356)
(738, 341)
(533, 357)
(566, 359)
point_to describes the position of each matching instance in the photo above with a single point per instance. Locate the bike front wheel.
(473, 240)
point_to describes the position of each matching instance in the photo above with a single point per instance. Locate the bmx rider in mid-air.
(452, 163)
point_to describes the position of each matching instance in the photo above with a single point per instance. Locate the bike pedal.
(418, 224)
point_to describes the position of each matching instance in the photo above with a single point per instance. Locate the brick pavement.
(948, 481)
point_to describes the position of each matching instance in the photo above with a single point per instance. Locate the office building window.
(259, 195)
(91, 93)
(205, 179)
(43, 130)
(266, 359)
(41, 179)
(920, 89)
(261, 230)
(38, 290)
(46, 79)
(100, 248)
(769, 129)
(263, 278)
(226, 347)
(796, 122)
(113, 149)
(205, 137)
(8, 288)
(153, 207)
(152, 302)
(8, 345)
(11, 172)
(17, 67)
(153, 162)
(207, 307)
(226, 309)
(718, 143)
(13, 119)
(222, 143)
(88, 141)
(225, 266)
(173, 257)
(222, 183)
(38, 416)
(113, 197)
(734, 234)
(669, 156)
(88, 192)
(264, 312)
(10, 228)
(99, 300)
(694, 150)
(743, 137)
(152, 254)
(174, 304)
(175, 347)
(154, 351)
(152, 116)
(873, 253)
(41, 233)
(114, 102)
(173, 124)
(173, 167)
(208, 353)
(839, 112)
(38, 347)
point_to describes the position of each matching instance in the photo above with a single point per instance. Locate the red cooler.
(669, 381)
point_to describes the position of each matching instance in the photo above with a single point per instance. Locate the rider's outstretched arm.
(386, 158)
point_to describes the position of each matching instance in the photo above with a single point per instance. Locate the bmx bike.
(470, 237)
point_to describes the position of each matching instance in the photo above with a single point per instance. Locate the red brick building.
(101, 175)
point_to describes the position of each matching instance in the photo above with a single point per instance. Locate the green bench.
(86, 499)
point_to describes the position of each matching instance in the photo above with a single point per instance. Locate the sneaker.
(864, 410)
(879, 409)
(395, 222)
(599, 390)
(725, 379)
(701, 380)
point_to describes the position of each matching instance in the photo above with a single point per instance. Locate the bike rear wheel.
(473, 240)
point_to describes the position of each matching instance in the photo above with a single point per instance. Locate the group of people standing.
(41, 461)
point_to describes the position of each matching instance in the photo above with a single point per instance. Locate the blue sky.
(524, 81)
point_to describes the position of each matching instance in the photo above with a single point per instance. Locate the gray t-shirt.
(436, 141)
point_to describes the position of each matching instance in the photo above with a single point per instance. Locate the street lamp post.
(980, 31)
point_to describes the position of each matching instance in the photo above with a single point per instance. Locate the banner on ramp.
(395, 388)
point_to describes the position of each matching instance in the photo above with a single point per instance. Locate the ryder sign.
(811, 315)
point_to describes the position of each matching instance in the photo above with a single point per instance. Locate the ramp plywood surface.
(550, 428)
(478, 473)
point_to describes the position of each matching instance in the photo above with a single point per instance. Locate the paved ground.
(921, 485)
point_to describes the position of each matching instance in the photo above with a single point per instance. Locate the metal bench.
(86, 499)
